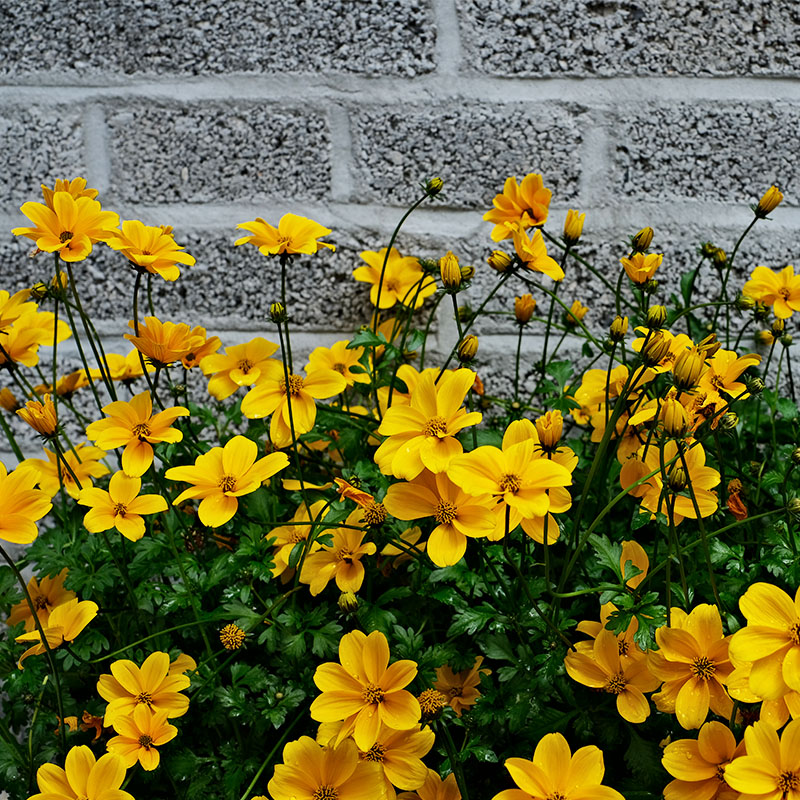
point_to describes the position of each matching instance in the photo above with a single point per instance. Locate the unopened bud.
(777, 327)
(688, 368)
(756, 386)
(433, 186)
(796, 456)
(677, 480)
(500, 261)
(764, 337)
(793, 507)
(709, 346)
(719, 259)
(524, 307)
(786, 339)
(729, 421)
(654, 349)
(761, 312)
(769, 201)
(39, 291)
(467, 349)
(348, 602)
(745, 303)
(573, 227)
(549, 427)
(277, 313)
(673, 415)
(618, 329)
(467, 273)
(650, 287)
(575, 314)
(656, 317)
(642, 240)
(450, 270)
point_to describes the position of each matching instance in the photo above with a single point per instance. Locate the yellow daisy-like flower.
(84, 463)
(83, 778)
(293, 235)
(461, 688)
(70, 227)
(779, 290)
(76, 187)
(46, 595)
(29, 331)
(555, 772)
(209, 346)
(402, 278)
(65, 623)
(139, 735)
(641, 267)
(224, 474)
(164, 342)
(340, 359)
(150, 248)
(13, 306)
(288, 536)
(532, 251)
(40, 415)
(121, 507)
(123, 368)
(519, 206)
(434, 788)
(241, 365)
(364, 691)
(22, 503)
(133, 425)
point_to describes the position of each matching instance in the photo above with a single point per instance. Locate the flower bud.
(756, 386)
(677, 480)
(654, 350)
(500, 261)
(433, 186)
(761, 312)
(524, 307)
(764, 337)
(709, 346)
(277, 313)
(575, 314)
(656, 317)
(745, 303)
(777, 327)
(688, 368)
(769, 201)
(642, 240)
(793, 507)
(348, 602)
(467, 273)
(450, 271)
(729, 421)
(467, 349)
(7, 400)
(549, 427)
(39, 291)
(618, 329)
(673, 415)
(796, 456)
(573, 227)
(41, 416)
(719, 259)
(786, 340)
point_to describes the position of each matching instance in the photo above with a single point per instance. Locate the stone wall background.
(672, 113)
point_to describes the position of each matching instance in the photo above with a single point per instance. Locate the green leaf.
(687, 286)
(366, 338)
(608, 553)
(561, 371)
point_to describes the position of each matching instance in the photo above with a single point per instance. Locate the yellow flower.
(154, 685)
(241, 365)
(150, 248)
(8, 401)
(640, 268)
(70, 227)
(532, 251)
(618, 329)
(288, 536)
(573, 227)
(13, 306)
(556, 773)
(84, 462)
(699, 765)
(635, 553)
(461, 688)
(340, 359)
(771, 768)
(629, 651)
(575, 314)
(364, 690)
(76, 187)
(139, 735)
(208, 346)
(164, 342)
(457, 513)
(28, 332)
(434, 788)
(83, 778)
(46, 595)
(133, 426)
(524, 307)
(722, 375)
(65, 623)
(271, 397)
(120, 507)
(693, 662)
(401, 279)
(450, 270)
(769, 201)
(423, 434)
(41, 416)
(222, 475)
(779, 290)
(23, 505)
(311, 772)
(519, 206)
(293, 235)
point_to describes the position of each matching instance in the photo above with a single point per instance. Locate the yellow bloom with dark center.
(771, 768)
(164, 342)
(770, 640)
(241, 365)
(461, 688)
(139, 735)
(40, 415)
(340, 359)
(699, 765)
(22, 339)
(422, 435)
(603, 668)
(401, 279)
(222, 475)
(312, 772)
(209, 346)
(133, 425)
(693, 662)
(557, 774)
(70, 227)
(288, 536)
(769, 201)
(22, 503)
(65, 623)
(83, 778)
(629, 651)
(272, 396)
(150, 248)
(519, 206)
(293, 235)
(640, 267)
(364, 690)
(779, 290)
(457, 513)
(154, 685)
(232, 637)
(532, 251)
(84, 462)
(46, 595)
(121, 507)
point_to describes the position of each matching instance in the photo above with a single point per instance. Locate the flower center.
(436, 426)
(510, 483)
(145, 741)
(703, 668)
(141, 429)
(227, 483)
(372, 694)
(344, 555)
(374, 514)
(616, 684)
(445, 512)
(245, 365)
(555, 796)
(721, 773)
(390, 286)
(788, 781)
(455, 691)
(623, 646)
(295, 385)
(376, 753)
(794, 633)
(784, 292)
(40, 601)
(120, 510)
(146, 698)
(65, 236)
(325, 793)
(298, 535)
(339, 367)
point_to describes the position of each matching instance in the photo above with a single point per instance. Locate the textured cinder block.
(626, 37)
(471, 147)
(164, 38)
(38, 144)
(721, 152)
(217, 152)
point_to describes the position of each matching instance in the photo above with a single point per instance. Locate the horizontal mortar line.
(300, 89)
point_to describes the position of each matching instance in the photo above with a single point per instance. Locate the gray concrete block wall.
(672, 113)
